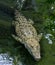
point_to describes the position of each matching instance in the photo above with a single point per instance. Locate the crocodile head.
(34, 48)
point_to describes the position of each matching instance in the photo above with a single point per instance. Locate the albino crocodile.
(27, 34)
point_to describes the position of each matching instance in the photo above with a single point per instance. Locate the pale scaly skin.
(27, 34)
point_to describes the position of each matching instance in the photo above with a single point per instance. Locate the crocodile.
(27, 34)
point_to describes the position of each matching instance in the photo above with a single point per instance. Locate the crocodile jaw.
(33, 47)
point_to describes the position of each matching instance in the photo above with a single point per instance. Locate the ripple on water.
(47, 36)
(5, 59)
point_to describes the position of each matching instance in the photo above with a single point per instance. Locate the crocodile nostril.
(37, 47)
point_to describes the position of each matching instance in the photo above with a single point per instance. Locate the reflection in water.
(47, 36)
(52, 8)
(5, 59)
(20, 63)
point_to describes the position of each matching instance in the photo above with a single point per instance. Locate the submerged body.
(27, 34)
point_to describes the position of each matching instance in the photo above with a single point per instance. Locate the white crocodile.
(27, 34)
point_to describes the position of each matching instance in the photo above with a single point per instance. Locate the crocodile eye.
(25, 33)
(31, 46)
(30, 32)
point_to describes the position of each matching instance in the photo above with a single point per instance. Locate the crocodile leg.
(39, 37)
(31, 21)
(16, 38)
